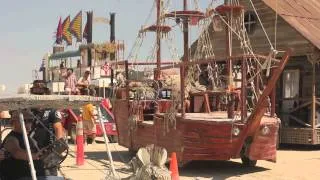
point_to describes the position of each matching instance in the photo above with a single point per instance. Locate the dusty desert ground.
(293, 163)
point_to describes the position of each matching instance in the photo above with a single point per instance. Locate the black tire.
(246, 161)
(113, 139)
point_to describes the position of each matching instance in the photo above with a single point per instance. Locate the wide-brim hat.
(27, 116)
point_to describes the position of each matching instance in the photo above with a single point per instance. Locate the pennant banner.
(66, 35)
(59, 33)
(87, 33)
(76, 27)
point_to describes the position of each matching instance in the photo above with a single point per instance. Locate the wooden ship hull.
(198, 136)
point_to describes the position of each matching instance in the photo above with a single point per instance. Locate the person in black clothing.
(1, 155)
(45, 136)
(16, 166)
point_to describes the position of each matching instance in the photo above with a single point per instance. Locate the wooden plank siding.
(287, 36)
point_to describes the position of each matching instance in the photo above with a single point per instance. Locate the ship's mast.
(229, 60)
(157, 73)
(186, 34)
(183, 69)
(229, 45)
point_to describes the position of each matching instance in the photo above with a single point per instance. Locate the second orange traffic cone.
(174, 167)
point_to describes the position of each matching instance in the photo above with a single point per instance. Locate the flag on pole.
(87, 33)
(76, 27)
(59, 33)
(66, 35)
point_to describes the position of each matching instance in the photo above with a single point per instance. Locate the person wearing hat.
(16, 166)
(84, 84)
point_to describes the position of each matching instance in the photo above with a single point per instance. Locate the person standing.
(16, 166)
(49, 130)
(89, 115)
(1, 154)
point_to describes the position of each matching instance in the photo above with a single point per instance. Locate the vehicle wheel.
(246, 161)
(113, 139)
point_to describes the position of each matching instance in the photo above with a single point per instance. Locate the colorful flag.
(76, 27)
(59, 33)
(66, 35)
(87, 33)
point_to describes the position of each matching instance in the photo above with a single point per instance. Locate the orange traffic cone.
(79, 141)
(174, 167)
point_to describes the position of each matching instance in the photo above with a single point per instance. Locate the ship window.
(250, 22)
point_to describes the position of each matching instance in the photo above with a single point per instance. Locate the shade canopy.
(63, 55)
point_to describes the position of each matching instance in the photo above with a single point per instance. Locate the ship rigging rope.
(243, 37)
(264, 30)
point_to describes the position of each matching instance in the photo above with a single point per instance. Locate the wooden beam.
(127, 82)
(196, 61)
(299, 121)
(299, 107)
(182, 87)
(273, 100)
(313, 109)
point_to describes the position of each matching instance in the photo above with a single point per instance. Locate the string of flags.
(68, 29)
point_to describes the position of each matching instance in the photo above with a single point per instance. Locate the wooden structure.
(293, 24)
(203, 132)
(78, 60)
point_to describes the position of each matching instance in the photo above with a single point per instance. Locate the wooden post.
(183, 69)
(244, 70)
(273, 99)
(230, 107)
(112, 76)
(313, 109)
(112, 34)
(127, 80)
(183, 111)
(157, 72)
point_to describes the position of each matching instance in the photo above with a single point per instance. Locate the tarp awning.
(63, 55)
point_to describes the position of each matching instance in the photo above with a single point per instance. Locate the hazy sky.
(28, 26)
